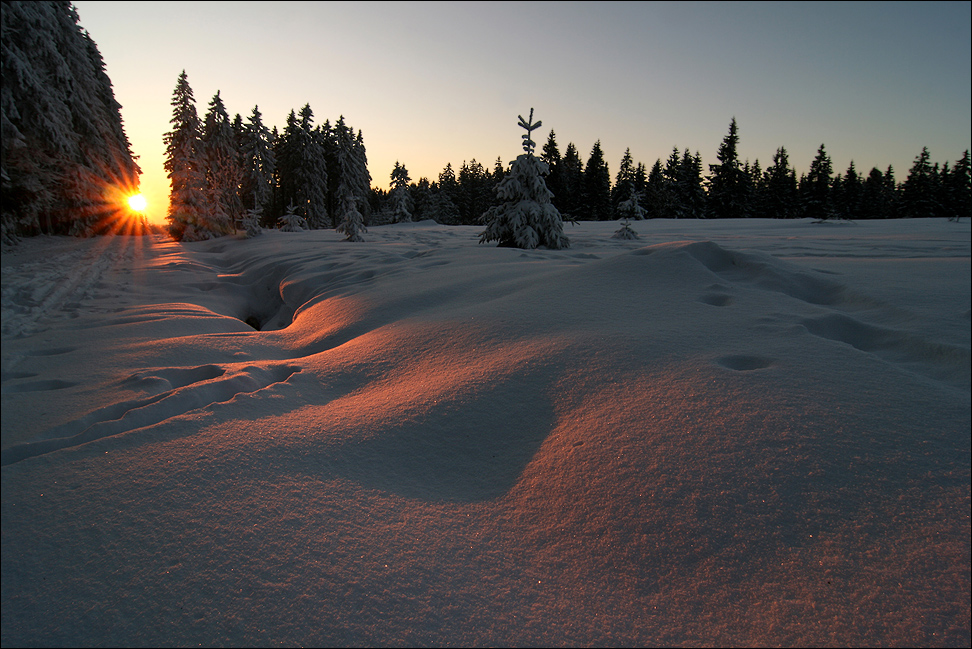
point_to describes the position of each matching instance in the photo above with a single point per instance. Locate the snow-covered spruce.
(625, 232)
(630, 208)
(251, 223)
(400, 201)
(526, 218)
(292, 221)
(355, 180)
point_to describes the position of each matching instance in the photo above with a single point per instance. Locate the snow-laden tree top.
(525, 218)
(528, 144)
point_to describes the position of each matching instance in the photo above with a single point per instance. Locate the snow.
(721, 433)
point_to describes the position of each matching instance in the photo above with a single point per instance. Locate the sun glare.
(137, 203)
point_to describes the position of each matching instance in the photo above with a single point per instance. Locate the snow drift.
(719, 433)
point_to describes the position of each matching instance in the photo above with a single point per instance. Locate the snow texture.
(723, 433)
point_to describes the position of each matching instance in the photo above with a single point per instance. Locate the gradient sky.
(432, 83)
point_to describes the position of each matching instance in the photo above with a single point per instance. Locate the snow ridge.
(194, 389)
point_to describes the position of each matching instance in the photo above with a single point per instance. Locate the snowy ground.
(721, 433)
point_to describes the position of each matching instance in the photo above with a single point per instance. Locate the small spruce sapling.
(292, 221)
(525, 217)
(251, 222)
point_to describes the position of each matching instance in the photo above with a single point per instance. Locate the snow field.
(719, 433)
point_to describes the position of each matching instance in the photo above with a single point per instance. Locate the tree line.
(678, 188)
(230, 174)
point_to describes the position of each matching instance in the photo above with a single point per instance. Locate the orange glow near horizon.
(116, 204)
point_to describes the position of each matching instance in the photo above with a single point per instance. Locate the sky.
(436, 83)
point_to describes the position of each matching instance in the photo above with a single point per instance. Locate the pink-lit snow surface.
(722, 433)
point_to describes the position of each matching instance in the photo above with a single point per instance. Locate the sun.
(137, 203)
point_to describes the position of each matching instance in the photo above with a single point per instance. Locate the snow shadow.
(470, 451)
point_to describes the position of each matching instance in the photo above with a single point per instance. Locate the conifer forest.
(66, 160)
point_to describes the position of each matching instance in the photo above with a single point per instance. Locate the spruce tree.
(630, 208)
(816, 192)
(444, 198)
(495, 178)
(223, 170)
(311, 183)
(623, 182)
(597, 187)
(918, 197)
(691, 192)
(287, 153)
(673, 198)
(554, 180)
(292, 221)
(657, 193)
(421, 195)
(400, 201)
(355, 182)
(526, 218)
(780, 198)
(849, 198)
(727, 197)
(958, 189)
(570, 203)
(185, 161)
(473, 192)
(258, 163)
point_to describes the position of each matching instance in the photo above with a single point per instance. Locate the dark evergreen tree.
(958, 189)
(445, 195)
(657, 201)
(421, 193)
(672, 198)
(499, 173)
(779, 199)
(551, 156)
(597, 187)
(624, 185)
(727, 196)
(640, 179)
(754, 183)
(918, 196)
(849, 197)
(893, 190)
(571, 201)
(816, 193)
(691, 192)
(473, 192)
(875, 203)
